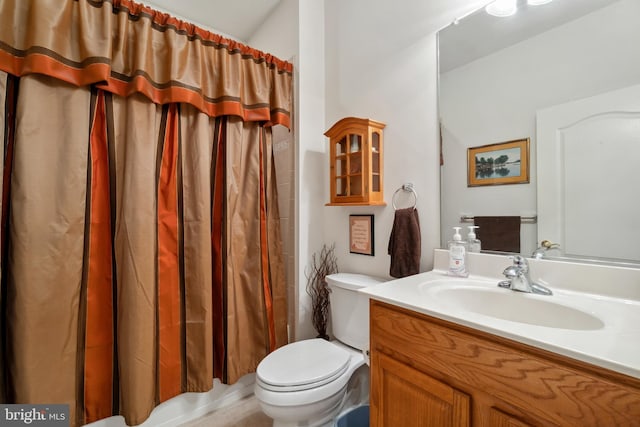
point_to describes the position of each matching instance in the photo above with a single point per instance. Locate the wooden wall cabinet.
(355, 162)
(430, 372)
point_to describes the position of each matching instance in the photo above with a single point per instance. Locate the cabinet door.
(356, 166)
(339, 170)
(497, 418)
(348, 161)
(404, 396)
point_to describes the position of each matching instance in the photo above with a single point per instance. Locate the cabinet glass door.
(355, 187)
(375, 161)
(340, 162)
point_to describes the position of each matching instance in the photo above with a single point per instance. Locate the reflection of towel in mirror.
(404, 243)
(499, 233)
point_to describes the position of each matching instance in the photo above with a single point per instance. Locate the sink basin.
(514, 306)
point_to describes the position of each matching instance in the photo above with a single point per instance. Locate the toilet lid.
(303, 365)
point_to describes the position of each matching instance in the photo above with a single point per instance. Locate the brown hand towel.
(404, 243)
(499, 233)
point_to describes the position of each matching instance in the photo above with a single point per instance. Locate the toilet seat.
(315, 393)
(302, 365)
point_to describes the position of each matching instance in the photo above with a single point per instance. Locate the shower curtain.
(140, 242)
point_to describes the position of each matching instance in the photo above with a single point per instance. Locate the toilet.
(305, 383)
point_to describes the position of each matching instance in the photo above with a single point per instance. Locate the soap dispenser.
(458, 255)
(472, 241)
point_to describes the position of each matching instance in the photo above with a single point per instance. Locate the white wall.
(381, 63)
(495, 99)
(312, 175)
(278, 34)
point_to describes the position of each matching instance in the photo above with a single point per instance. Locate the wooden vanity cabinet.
(409, 397)
(429, 372)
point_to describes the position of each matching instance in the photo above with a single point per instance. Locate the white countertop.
(615, 344)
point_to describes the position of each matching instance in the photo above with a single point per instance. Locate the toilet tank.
(350, 308)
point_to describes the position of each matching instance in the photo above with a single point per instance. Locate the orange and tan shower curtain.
(140, 252)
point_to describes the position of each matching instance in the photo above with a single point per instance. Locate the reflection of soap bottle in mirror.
(458, 255)
(472, 241)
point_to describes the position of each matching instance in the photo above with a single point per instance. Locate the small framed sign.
(361, 234)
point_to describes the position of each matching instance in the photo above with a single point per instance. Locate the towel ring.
(407, 188)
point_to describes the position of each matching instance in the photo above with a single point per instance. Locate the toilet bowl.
(304, 383)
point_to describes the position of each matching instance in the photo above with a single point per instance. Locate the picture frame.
(361, 238)
(511, 158)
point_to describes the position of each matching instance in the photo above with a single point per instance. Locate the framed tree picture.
(496, 164)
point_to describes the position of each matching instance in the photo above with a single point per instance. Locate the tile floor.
(245, 413)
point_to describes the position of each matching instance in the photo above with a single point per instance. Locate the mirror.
(506, 79)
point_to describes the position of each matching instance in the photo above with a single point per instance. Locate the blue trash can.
(357, 417)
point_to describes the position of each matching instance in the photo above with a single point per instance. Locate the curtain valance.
(127, 48)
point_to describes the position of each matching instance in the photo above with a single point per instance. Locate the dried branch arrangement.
(321, 266)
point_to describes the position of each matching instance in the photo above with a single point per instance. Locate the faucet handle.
(520, 261)
(548, 245)
(511, 272)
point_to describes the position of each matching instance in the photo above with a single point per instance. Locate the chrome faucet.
(518, 278)
(541, 250)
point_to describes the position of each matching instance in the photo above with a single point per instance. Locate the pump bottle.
(473, 242)
(458, 255)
